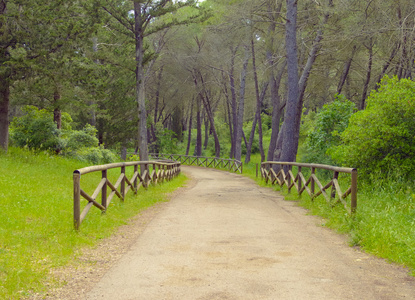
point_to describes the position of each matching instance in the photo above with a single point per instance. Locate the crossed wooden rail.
(202, 161)
(302, 184)
(160, 171)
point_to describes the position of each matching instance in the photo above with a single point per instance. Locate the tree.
(290, 118)
(148, 17)
(33, 33)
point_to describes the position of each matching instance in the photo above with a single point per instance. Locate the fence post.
(154, 179)
(135, 180)
(313, 171)
(288, 177)
(104, 190)
(77, 199)
(353, 195)
(300, 183)
(256, 170)
(333, 187)
(123, 183)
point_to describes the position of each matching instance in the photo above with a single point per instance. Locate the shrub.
(95, 155)
(165, 142)
(330, 121)
(78, 139)
(35, 130)
(379, 139)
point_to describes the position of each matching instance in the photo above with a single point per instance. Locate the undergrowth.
(36, 229)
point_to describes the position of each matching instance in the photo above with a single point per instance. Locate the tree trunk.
(207, 103)
(228, 111)
(157, 98)
(4, 112)
(387, 64)
(288, 147)
(304, 78)
(57, 114)
(257, 118)
(189, 136)
(241, 106)
(274, 82)
(276, 110)
(368, 75)
(140, 92)
(233, 102)
(198, 147)
(346, 71)
(206, 121)
(4, 86)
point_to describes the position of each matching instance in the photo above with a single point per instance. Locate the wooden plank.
(86, 210)
(99, 188)
(87, 197)
(305, 186)
(294, 179)
(114, 189)
(129, 185)
(322, 191)
(338, 190)
(347, 193)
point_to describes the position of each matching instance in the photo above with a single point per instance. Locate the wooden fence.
(213, 162)
(160, 171)
(302, 184)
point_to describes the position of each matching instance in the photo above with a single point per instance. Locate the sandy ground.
(224, 237)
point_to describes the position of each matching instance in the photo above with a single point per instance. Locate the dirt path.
(224, 237)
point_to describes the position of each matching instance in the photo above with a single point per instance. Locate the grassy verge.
(384, 224)
(36, 229)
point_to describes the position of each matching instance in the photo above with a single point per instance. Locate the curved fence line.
(232, 165)
(151, 172)
(281, 173)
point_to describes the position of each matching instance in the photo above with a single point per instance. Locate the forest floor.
(224, 237)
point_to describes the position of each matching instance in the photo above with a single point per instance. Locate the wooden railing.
(302, 184)
(213, 162)
(152, 172)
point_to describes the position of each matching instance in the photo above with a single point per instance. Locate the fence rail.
(301, 184)
(214, 162)
(151, 172)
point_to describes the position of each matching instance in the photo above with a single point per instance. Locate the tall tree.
(32, 32)
(150, 16)
(289, 134)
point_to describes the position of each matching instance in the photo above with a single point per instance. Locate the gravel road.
(224, 237)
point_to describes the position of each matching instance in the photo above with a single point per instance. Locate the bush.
(165, 142)
(330, 121)
(95, 155)
(78, 139)
(379, 139)
(35, 130)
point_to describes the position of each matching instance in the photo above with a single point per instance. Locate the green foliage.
(330, 121)
(95, 155)
(35, 130)
(84, 138)
(379, 140)
(166, 141)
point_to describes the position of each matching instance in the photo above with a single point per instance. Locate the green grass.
(36, 229)
(384, 224)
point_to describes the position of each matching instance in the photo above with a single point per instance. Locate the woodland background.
(215, 78)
